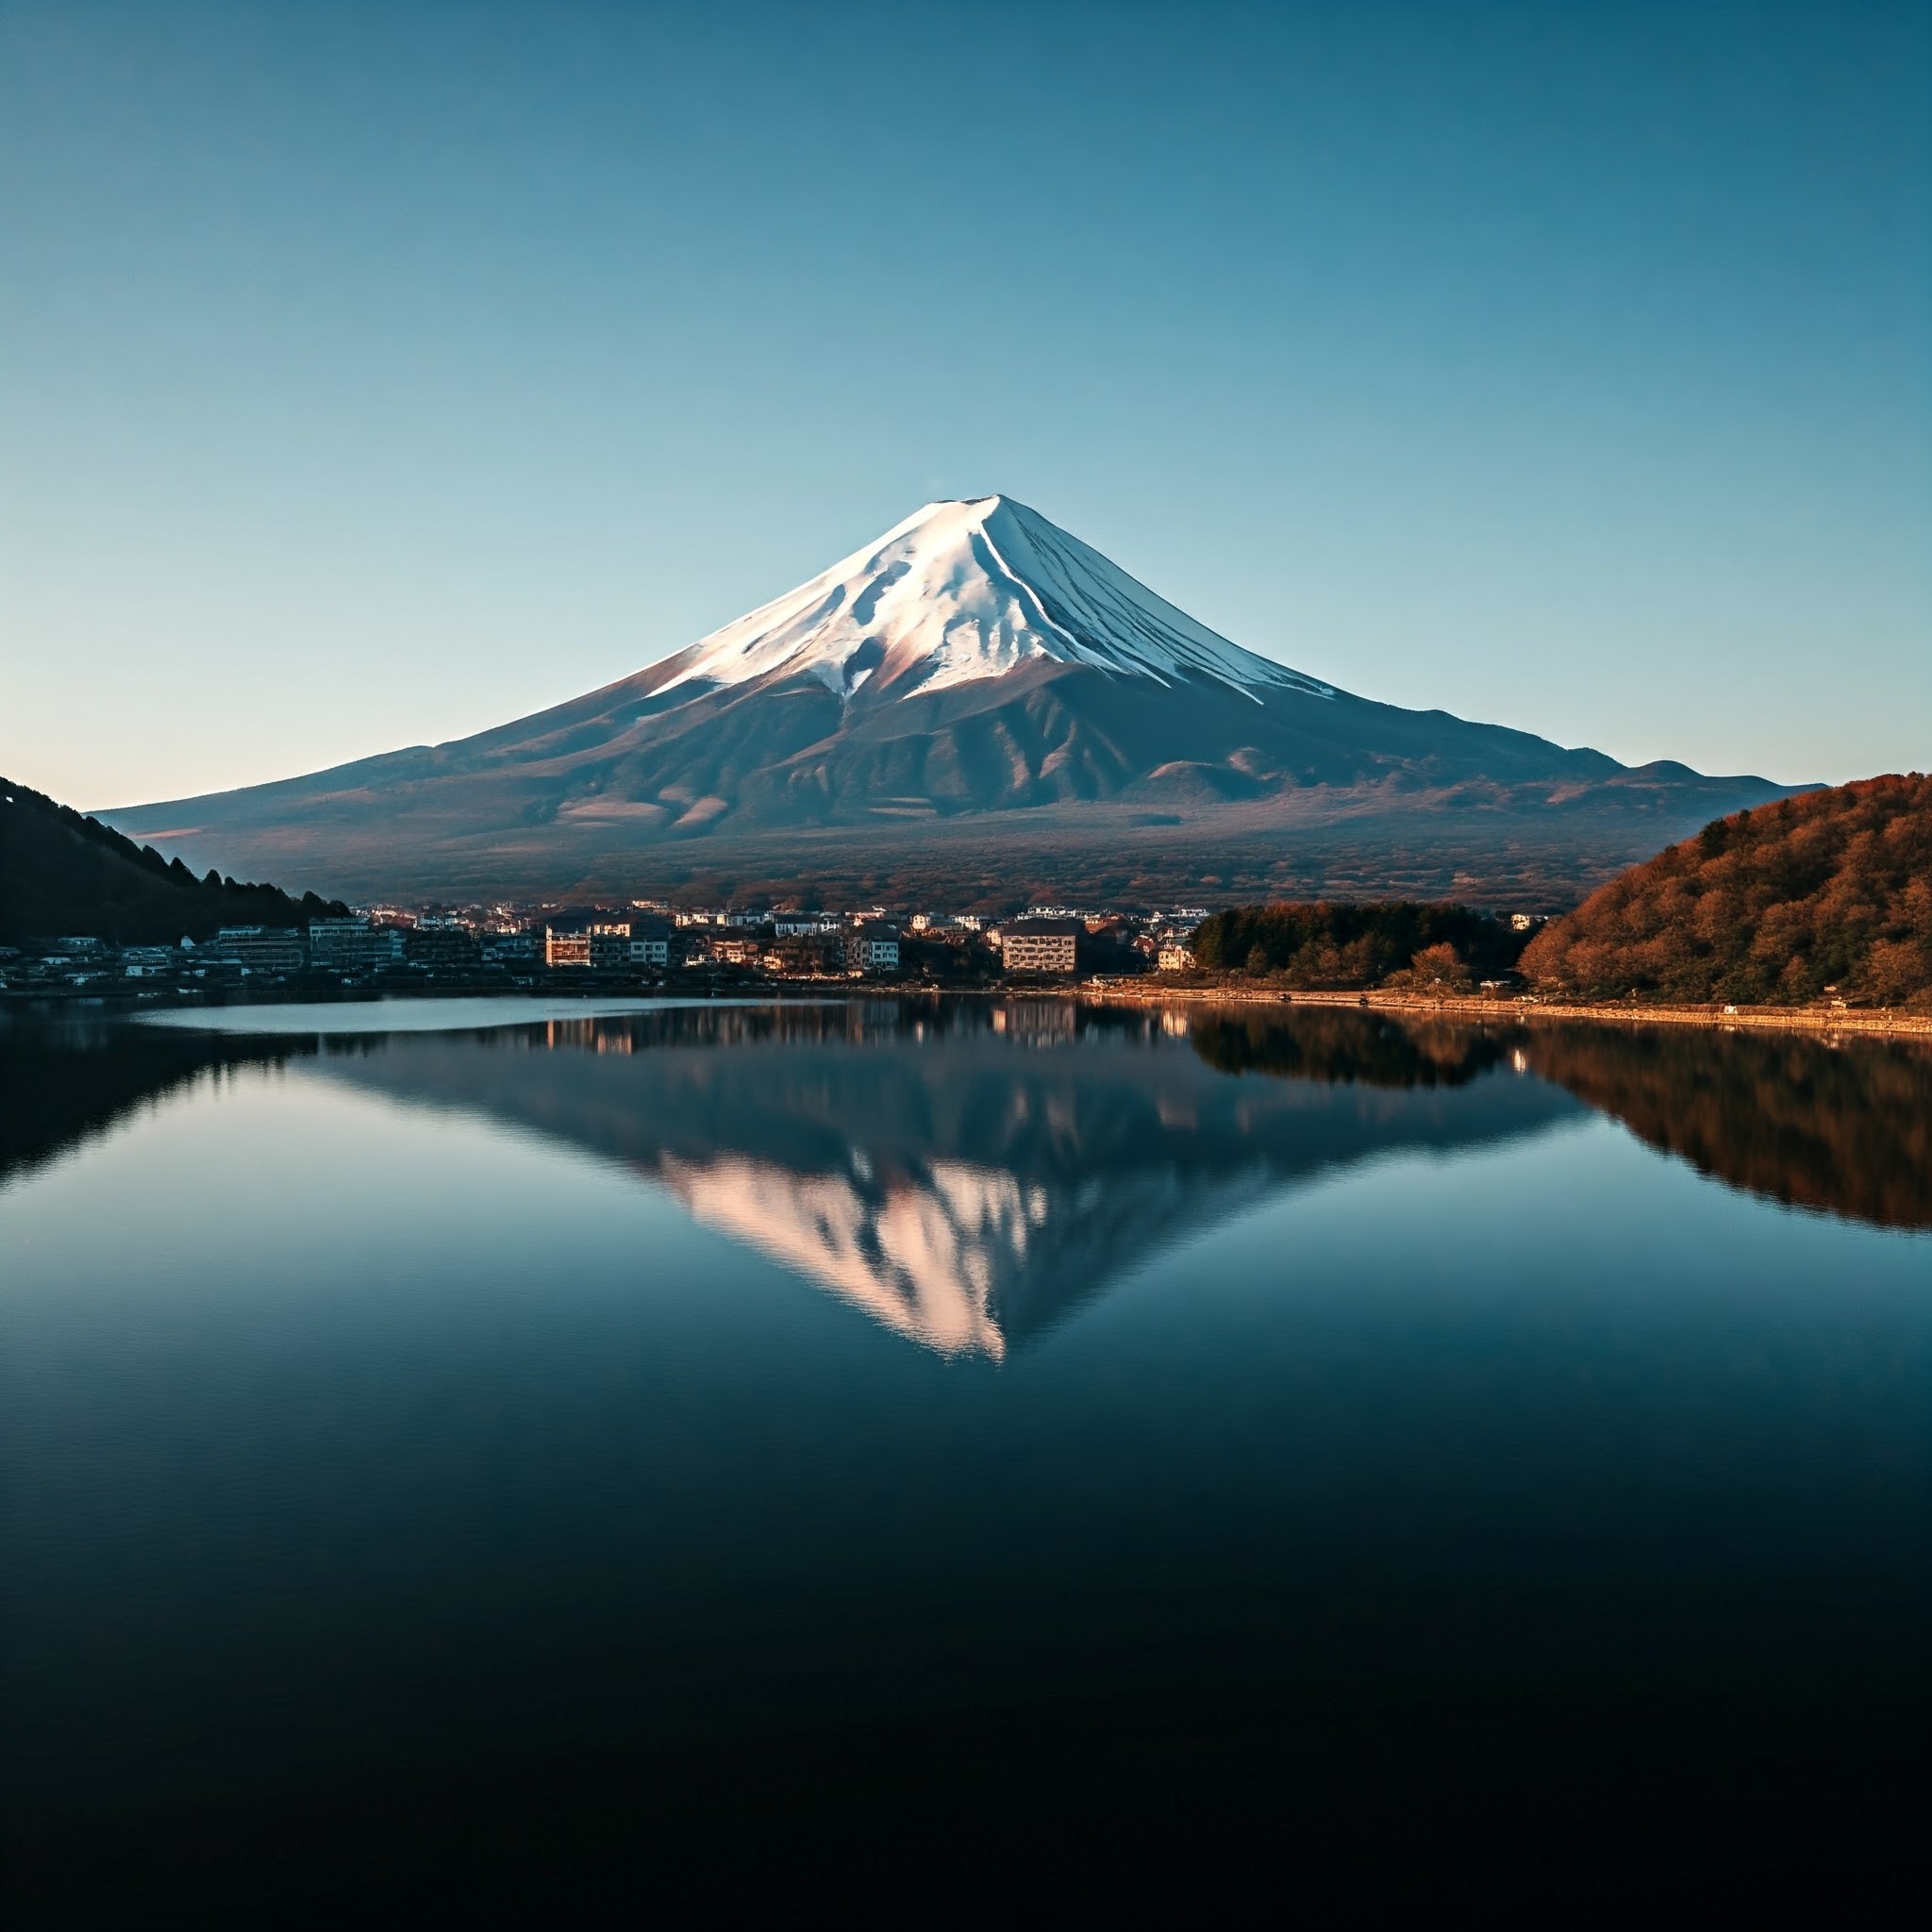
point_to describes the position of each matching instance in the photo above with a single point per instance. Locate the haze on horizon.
(373, 375)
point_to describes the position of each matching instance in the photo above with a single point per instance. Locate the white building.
(1039, 946)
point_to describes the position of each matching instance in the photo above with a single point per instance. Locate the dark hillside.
(62, 874)
(1828, 890)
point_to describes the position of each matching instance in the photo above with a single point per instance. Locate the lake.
(527, 1460)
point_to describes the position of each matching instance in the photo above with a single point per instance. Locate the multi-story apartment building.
(610, 944)
(353, 945)
(1039, 946)
(603, 944)
(440, 948)
(874, 949)
(259, 948)
(649, 943)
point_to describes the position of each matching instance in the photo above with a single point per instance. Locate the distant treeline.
(1327, 945)
(1828, 890)
(63, 874)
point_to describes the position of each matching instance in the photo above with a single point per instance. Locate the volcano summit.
(966, 591)
(975, 699)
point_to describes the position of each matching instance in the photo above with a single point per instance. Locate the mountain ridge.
(974, 663)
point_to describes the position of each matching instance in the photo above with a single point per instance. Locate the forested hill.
(1783, 903)
(62, 874)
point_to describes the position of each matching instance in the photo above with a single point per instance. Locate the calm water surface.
(990, 1449)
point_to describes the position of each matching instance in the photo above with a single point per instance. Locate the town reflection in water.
(968, 1172)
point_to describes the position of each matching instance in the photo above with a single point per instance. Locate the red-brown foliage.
(1830, 890)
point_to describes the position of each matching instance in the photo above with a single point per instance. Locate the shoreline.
(1882, 1022)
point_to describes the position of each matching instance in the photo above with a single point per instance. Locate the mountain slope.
(973, 663)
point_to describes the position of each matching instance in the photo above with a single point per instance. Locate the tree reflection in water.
(1844, 1128)
(61, 1086)
(1840, 1125)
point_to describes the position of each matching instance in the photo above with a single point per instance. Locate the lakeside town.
(648, 945)
(391, 948)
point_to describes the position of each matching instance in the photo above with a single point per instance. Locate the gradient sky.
(373, 374)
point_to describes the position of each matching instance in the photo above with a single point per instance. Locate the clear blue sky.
(373, 374)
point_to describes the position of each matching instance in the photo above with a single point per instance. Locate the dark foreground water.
(968, 1456)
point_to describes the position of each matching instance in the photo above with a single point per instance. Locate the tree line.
(1330, 945)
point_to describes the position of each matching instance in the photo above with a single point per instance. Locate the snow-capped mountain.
(973, 691)
(966, 590)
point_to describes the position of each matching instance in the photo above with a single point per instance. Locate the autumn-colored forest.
(1828, 891)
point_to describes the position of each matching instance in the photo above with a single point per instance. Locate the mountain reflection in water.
(407, 1495)
(966, 1177)
(968, 1173)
